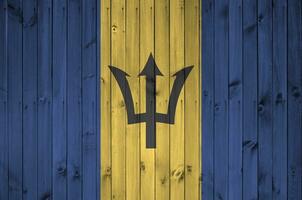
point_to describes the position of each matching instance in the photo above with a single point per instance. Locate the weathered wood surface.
(251, 64)
(49, 104)
(131, 31)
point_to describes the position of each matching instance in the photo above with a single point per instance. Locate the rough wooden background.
(252, 69)
(49, 104)
(131, 30)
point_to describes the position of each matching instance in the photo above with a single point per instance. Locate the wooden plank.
(3, 103)
(294, 99)
(280, 100)
(106, 174)
(192, 100)
(89, 95)
(132, 68)
(98, 98)
(265, 135)
(162, 54)
(235, 100)
(118, 121)
(14, 53)
(250, 139)
(74, 101)
(30, 108)
(59, 182)
(208, 99)
(221, 99)
(177, 62)
(147, 158)
(45, 99)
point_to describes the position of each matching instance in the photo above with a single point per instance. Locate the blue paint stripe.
(235, 100)
(280, 100)
(294, 99)
(30, 134)
(208, 99)
(74, 101)
(90, 103)
(59, 91)
(3, 104)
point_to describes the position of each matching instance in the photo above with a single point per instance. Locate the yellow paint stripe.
(132, 131)
(177, 130)
(105, 102)
(192, 92)
(162, 54)
(146, 47)
(118, 113)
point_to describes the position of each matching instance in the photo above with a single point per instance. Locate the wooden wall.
(49, 104)
(252, 69)
(131, 30)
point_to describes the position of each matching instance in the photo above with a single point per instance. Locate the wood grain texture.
(177, 130)
(90, 152)
(118, 118)
(59, 109)
(208, 99)
(42, 67)
(3, 103)
(280, 103)
(106, 167)
(30, 115)
(74, 101)
(138, 29)
(15, 102)
(162, 55)
(192, 100)
(250, 135)
(294, 100)
(257, 43)
(132, 147)
(221, 70)
(265, 125)
(45, 99)
(235, 100)
(147, 157)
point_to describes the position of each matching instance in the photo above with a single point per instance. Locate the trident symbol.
(151, 116)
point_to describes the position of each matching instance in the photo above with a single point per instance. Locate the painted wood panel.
(170, 31)
(49, 99)
(251, 99)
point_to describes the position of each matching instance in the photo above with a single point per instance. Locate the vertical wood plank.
(132, 131)
(265, 99)
(177, 61)
(98, 98)
(221, 99)
(250, 137)
(59, 99)
(45, 99)
(280, 100)
(106, 173)
(147, 164)
(74, 101)
(192, 100)
(30, 134)
(235, 100)
(208, 99)
(3, 102)
(118, 120)
(14, 53)
(294, 99)
(162, 54)
(90, 100)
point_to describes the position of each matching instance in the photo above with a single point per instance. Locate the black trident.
(151, 116)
